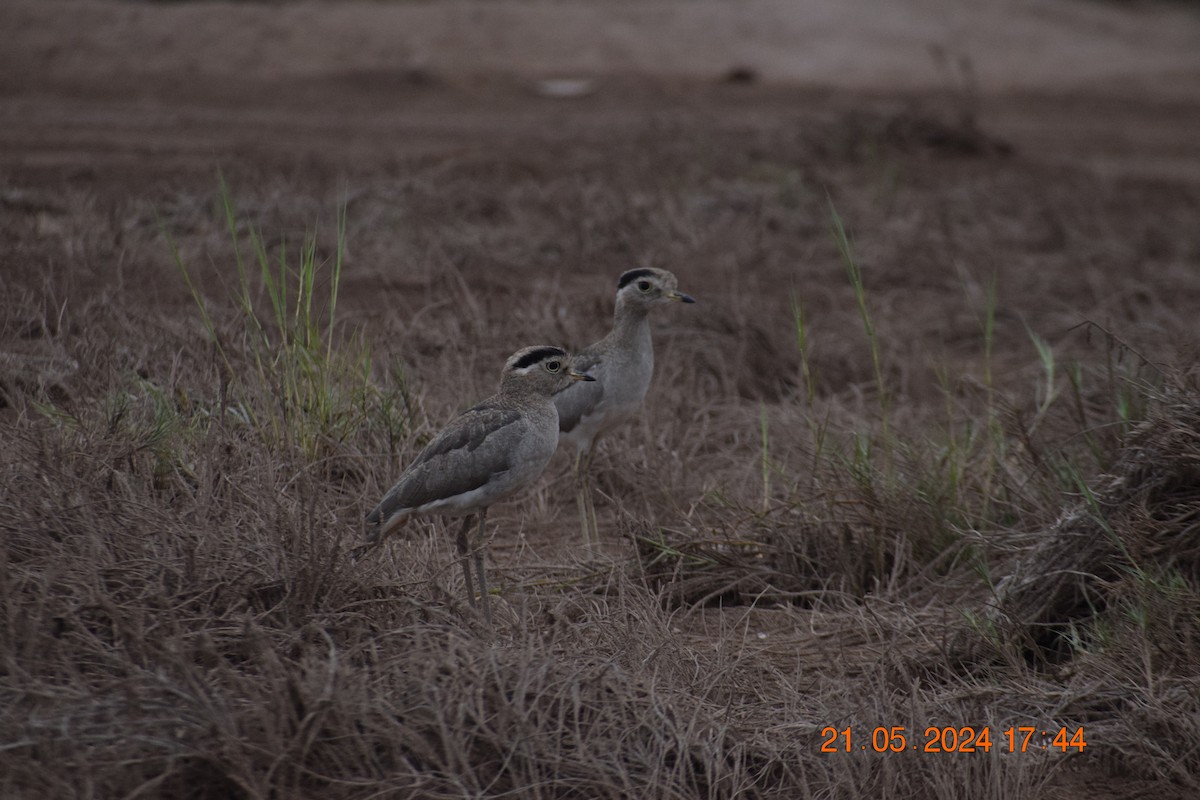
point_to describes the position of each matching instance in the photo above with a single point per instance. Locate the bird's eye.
(643, 286)
(553, 366)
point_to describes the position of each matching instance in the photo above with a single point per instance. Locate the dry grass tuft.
(1131, 535)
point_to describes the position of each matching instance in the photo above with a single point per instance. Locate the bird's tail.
(380, 525)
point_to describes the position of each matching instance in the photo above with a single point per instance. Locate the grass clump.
(310, 385)
(881, 502)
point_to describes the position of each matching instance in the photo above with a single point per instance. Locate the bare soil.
(1044, 155)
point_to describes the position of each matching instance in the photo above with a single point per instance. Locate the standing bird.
(622, 364)
(483, 455)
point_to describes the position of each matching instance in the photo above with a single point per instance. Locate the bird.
(481, 457)
(622, 364)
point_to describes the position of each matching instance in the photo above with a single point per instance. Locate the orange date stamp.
(951, 739)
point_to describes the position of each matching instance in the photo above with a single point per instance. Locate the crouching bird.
(484, 455)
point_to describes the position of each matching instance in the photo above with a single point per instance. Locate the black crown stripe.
(538, 354)
(632, 275)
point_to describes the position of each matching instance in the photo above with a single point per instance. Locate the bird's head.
(542, 369)
(646, 286)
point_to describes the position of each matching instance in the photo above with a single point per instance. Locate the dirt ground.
(1050, 147)
(95, 83)
(122, 105)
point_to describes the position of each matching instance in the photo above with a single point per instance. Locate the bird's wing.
(463, 457)
(581, 397)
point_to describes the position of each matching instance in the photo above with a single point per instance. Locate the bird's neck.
(631, 326)
(516, 393)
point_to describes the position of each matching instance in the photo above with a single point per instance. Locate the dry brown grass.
(180, 618)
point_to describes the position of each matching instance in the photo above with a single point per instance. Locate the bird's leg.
(587, 506)
(464, 550)
(583, 495)
(593, 523)
(483, 591)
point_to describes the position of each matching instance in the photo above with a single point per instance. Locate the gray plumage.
(479, 449)
(622, 364)
(484, 455)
